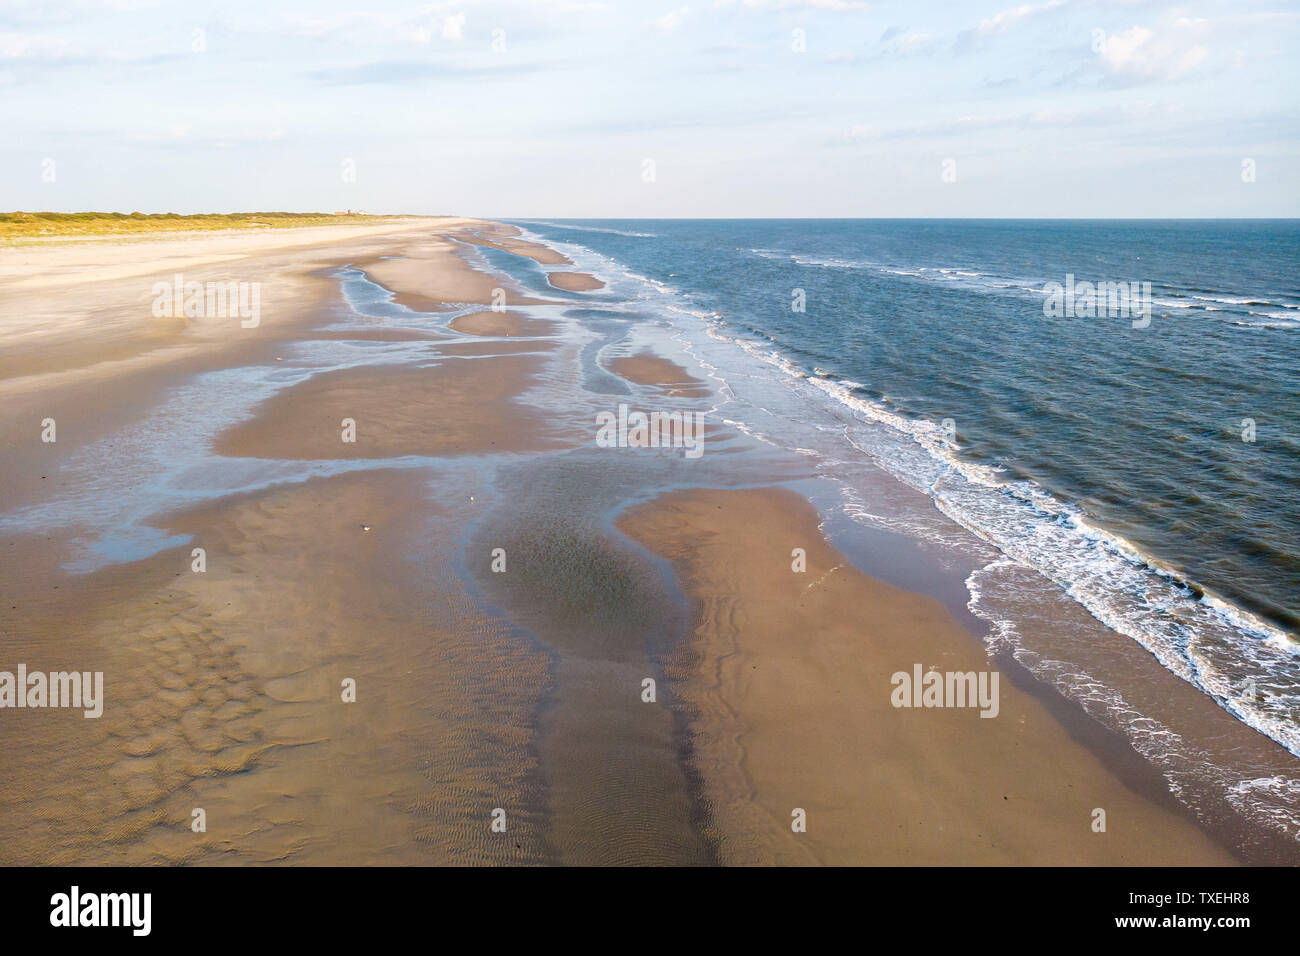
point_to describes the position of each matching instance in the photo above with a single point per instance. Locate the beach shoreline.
(518, 687)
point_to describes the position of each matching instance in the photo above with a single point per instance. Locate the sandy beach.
(787, 677)
(609, 649)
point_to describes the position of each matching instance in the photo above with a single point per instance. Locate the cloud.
(24, 46)
(401, 72)
(180, 136)
(1001, 22)
(797, 4)
(963, 125)
(1139, 53)
(567, 6)
(319, 28)
(911, 43)
(450, 27)
(16, 12)
(672, 20)
(897, 41)
(35, 58)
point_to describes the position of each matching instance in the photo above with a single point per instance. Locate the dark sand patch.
(461, 406)
(617, 791)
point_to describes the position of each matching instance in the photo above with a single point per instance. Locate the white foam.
(614, 232)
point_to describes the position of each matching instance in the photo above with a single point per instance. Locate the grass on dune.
(37, 225)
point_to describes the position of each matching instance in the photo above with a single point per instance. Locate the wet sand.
(500, 324)
(786, 684)
(649, 369)
(500, 236)
(224, 693)
(383, 412)
(458, 561)
(431, 273)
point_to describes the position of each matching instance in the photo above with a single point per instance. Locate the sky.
(653, 108)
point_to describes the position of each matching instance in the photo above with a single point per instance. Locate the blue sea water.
(1113, 460)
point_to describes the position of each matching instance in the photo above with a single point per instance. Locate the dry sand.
(86, 307)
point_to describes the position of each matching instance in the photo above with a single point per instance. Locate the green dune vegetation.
(41, 225)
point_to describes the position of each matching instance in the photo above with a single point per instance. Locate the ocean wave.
(1170, 298)
(1272, 799)
(612, 232)
(998, 592)
(1211, 643)
(1283, 324)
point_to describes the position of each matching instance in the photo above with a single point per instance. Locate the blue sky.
(552, 108)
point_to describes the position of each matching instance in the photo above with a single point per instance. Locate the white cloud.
(450, 27)
(453, 26)
(796, 4)
(671, 21)
(1141, 53)
(186, 136)
(350, 26)
(1002, 21)
(969, 124)
(567, 6)
(911, 42)
(20, 46)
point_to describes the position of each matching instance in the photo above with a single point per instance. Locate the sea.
(1137, 472)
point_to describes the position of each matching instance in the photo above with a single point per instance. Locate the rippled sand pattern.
(224, 694)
